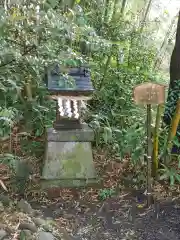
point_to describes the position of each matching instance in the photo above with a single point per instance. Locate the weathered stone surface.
(26, 234)
(5, 200)
(1, 207)
(37, 213)
(3, 234)
(29, 226)
(69, 161)
(86, 134)
(2, 226)
(45, 236)
(25, 207)
(48, 184)
(39, 221)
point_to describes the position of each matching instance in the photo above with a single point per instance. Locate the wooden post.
(149, 155)
(148, 94)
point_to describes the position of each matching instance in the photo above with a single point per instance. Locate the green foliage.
(28, 46)
(171, 174)
(10, 160)
(169, 164)
(95, 32)
(8, 117)
(32, 147)
(124, 60)
(173, 96)
(106, 193)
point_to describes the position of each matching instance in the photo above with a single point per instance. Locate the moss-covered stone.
(45, 184)
(70, 161)
(84, 134)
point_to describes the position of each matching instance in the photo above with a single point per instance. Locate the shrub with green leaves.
(31, 41)
(106, 193)
(118, 51)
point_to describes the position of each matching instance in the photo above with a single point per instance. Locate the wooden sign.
(149, 93)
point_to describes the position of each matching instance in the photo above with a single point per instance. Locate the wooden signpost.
(149, 94)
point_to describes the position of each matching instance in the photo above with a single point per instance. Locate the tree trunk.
(123, 6)
(174, 86)
(114, 10)
(106, 11)
(146, 15)
(167, 36)
(175, 58)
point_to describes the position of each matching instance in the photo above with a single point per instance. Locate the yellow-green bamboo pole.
(156, 140)
(174, 125)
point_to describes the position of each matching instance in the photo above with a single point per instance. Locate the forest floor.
(90, 213)
(114, 220)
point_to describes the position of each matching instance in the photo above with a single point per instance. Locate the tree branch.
(15, 42)
(13, 60)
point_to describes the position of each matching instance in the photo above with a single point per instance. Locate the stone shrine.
(68, 155)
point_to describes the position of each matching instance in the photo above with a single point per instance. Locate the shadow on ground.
(116, 218)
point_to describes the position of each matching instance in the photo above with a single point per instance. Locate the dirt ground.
(116, 218)
(121, 216)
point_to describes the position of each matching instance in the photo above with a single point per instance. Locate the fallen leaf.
(3, 186)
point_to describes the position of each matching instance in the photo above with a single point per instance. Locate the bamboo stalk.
(155, 161)
(123, 6)
(106, 67)
(28, 90)
(149, 154)
(73, 2)
(106, 11)
(146, 15)
(114, 10)
(174, 125)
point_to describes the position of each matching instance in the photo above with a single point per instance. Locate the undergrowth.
(120, 56)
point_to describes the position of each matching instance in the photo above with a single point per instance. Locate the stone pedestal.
(68, 158)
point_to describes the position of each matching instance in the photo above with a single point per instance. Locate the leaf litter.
(85, 216)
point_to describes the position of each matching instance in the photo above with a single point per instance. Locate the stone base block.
(67, 164)
(68, 183)
(83, 134)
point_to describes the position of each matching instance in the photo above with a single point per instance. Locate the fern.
(8, 117)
